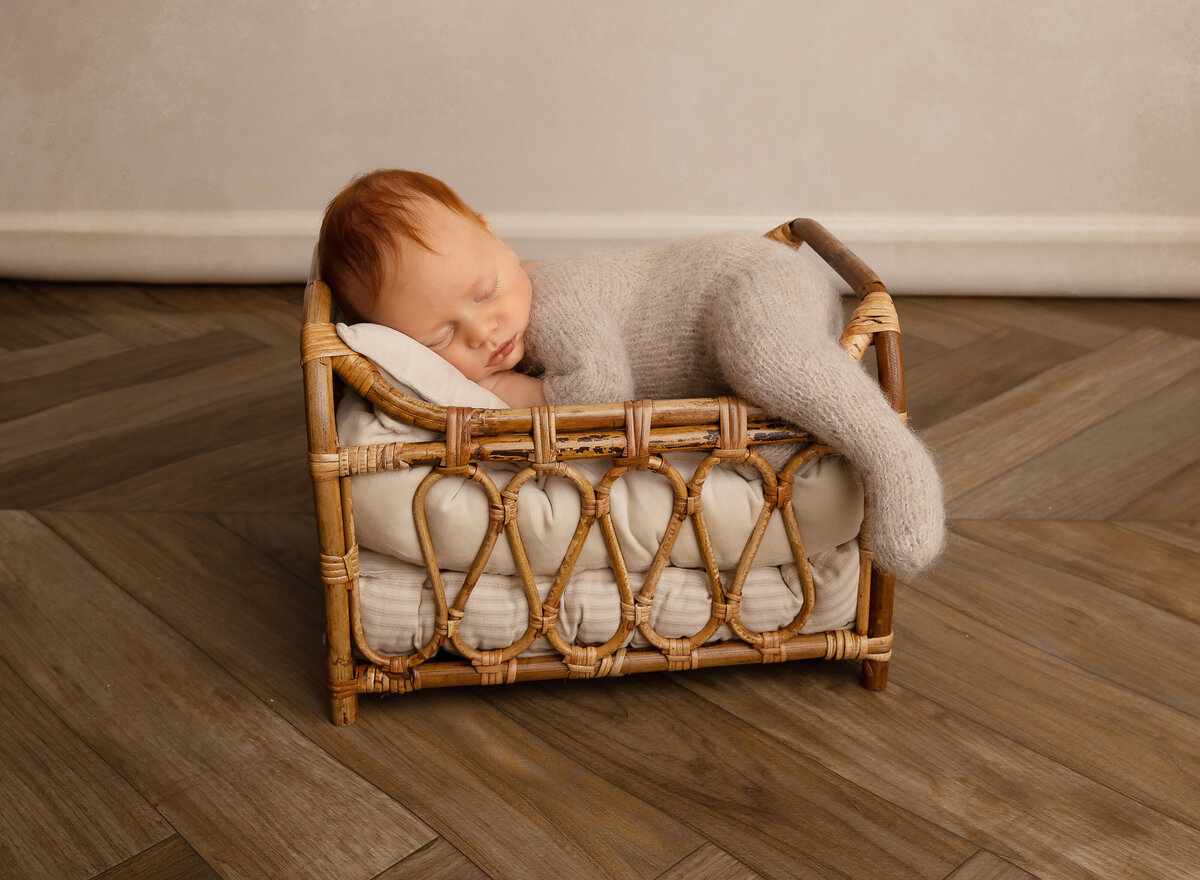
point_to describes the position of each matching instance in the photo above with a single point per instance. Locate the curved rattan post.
(852, 270)
(890, 362)
(327, 496)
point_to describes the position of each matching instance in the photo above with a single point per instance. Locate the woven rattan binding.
(635, 434)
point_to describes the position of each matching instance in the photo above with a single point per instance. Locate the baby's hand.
(515, 389)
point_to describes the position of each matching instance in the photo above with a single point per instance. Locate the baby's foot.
(908, 516)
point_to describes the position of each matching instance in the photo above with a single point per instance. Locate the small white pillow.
(414, 369)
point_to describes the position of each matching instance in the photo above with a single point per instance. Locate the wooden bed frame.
(635, 434)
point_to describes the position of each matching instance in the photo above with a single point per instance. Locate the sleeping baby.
(740, 314)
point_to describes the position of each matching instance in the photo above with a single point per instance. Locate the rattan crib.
(635, 434)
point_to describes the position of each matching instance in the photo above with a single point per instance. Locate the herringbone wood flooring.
(161, 660)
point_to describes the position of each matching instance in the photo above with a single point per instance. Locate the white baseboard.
(1087, 255)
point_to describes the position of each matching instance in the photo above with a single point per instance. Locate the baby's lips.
(502, 352)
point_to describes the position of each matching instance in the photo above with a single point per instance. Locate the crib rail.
(635, 434)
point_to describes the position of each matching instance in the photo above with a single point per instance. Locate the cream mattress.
(397, 598)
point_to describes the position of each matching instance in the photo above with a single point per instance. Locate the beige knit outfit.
(743, 314)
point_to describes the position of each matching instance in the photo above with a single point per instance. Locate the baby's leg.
(774, 349)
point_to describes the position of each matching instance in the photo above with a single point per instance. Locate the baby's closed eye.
(490, 294)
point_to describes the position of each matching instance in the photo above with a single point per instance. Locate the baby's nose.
(478, 332)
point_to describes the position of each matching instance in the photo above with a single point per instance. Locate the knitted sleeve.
(573, 336)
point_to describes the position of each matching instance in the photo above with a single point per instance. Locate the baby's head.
(401, 249)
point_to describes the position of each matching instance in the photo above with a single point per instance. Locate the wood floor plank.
(944, 321)
(122, 369)
(49, 457)
(1039, 415)
(989, 866)
(1129, 642)
(1141, 566)
(270, 314)
(1184, 535)
(930, 761)
(122, 410)
(437, 860)
(64, 812)
(1053, 707)
(964, 377)
(1175, 497)
(773, 808)
(234, 778)
(709, 862)
(68, 354)
(173, 859)
(1073, 322)
(32, 320)
(1180, 316)
(128, 312)
(482, 780)
(1102, 469)
(269, 474)
(285, 539)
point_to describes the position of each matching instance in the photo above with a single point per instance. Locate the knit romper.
(739, 314)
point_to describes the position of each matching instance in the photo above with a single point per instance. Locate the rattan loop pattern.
(545, 438)
(611, 666)
(773, 648)
(340, 569)
(324, 466)
(370, 459)
(458, 439)
(780, 494)
(846, 645)
(358, 372)
(637, 435)
(493, 669)
(637, 612)
(591, 509)
(347, 687)
(581, 661)
(681, 654)
(875, 314)
(321, 340)
(506, 512)
(644, 605)
(376, 681)
(733, 436)
(728, 609)
(687, 506)
(543, 621)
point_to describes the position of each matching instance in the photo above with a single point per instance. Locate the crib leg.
(875, 674)
(879, 623)
(339, 658)
(343, 689)
(343, 710)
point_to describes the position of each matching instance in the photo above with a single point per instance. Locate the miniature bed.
(485, 545)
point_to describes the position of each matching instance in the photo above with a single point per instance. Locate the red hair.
(361, 226)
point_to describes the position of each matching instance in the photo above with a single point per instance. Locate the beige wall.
(1022, 146)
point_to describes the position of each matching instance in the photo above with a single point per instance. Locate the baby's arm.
(515, 389)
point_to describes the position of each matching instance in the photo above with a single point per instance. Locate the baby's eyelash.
(491, 294)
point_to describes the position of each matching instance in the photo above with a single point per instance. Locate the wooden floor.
(162, 708)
